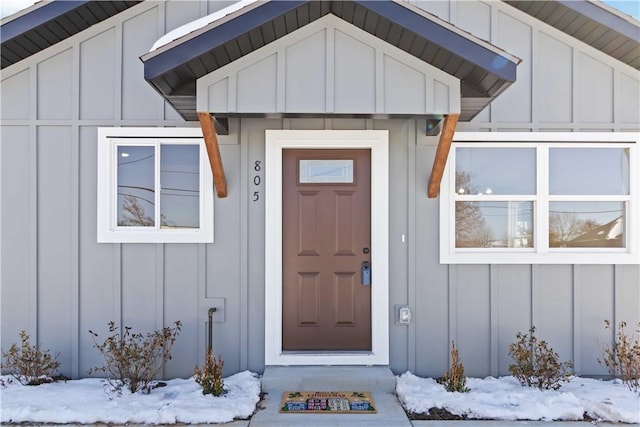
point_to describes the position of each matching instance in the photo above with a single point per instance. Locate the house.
(345, 182)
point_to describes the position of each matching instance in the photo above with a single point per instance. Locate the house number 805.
(256, 179)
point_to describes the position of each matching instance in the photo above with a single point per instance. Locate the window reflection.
(483, 171)
(586, 224)
(136, 194)
(494, 224)
(179, 186)
(581, 171)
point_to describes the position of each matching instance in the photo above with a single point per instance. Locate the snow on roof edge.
(199, 23)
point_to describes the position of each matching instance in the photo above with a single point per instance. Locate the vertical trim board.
(410, 240)
(74, 217)
(32, 186)
(577, 311)
(494, 316)
(159, 291)
(245, 232)
(74, 226)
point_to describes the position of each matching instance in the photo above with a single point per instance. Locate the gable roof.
(47, 23)
(592, 22)
(485, 71)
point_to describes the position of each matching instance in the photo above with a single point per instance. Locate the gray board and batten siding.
(58, 282)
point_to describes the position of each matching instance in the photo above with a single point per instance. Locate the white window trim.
(108, 232)
(541, 254)
(378, 142)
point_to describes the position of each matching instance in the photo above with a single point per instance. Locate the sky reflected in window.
(136, 189)
(583, 171)
(179, 186)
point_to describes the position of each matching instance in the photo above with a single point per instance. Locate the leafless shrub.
(622, 360)
(133, 359)
(29, 365)
(537, 365)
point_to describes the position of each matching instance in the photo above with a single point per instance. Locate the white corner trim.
(378, 142)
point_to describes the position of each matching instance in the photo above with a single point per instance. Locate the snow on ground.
(505, 399)
(181, 401)
(90, 401)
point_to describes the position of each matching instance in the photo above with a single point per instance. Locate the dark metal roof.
(484, 70)
(592, 22)
(47, 23)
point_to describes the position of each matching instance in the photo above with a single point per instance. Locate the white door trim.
(378, 142)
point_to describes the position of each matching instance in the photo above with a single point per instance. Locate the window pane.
(586, 224)
(179, 186)
(495, 171)
(494, 224)
(579, 171)
(136, 195)
(335, 171)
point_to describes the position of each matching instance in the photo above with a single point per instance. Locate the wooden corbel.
(213, 151)
(442, 153)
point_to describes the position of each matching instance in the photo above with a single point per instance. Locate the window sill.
(558, 257)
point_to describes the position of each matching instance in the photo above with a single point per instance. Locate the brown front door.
(326, 208)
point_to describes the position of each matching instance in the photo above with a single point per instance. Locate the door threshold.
(326, 353)
(327, 358)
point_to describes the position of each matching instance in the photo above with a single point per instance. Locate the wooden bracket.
(213, 151)
(442, 153)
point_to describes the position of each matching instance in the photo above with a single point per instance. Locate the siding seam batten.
(161, 29)
(244, 247)
(117, 115)
(494, 317)
(202, 295)
(330, 54)
(160, 286)
(411, 245)
(117, 57)
(75, 217)
(453, 312)
(535, 35)
(33, 208)
(577, 362)
(535, 294)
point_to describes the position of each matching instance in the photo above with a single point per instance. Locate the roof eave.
(191, 46)
(30, 31)
(611, 31)
(167, 68)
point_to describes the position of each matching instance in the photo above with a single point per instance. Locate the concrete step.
(378, 380)
(329, 378)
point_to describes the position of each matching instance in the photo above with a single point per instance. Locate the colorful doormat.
(327, 402)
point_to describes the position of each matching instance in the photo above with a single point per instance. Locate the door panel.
(326, 239)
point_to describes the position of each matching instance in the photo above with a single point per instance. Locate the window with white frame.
(541, 198)
(154, 186)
